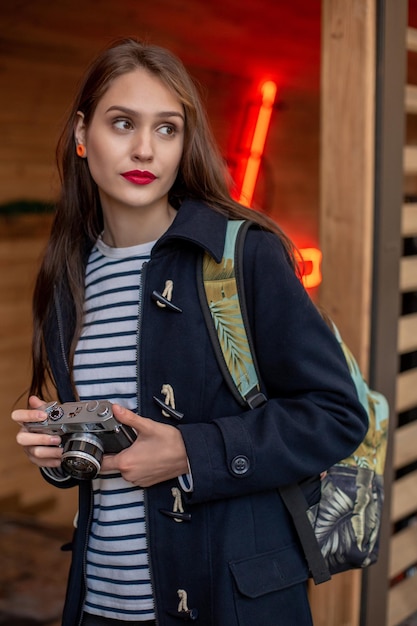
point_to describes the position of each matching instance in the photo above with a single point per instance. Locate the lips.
(139, 177)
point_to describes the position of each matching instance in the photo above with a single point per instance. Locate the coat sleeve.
(313, 417)
(58, 477)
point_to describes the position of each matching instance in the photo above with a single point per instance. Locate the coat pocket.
(271, 589)
(271, 571)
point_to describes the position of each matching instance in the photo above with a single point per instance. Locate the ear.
(80, 129)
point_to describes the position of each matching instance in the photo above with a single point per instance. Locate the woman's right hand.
(43, 450)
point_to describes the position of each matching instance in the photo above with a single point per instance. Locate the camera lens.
(82, 456)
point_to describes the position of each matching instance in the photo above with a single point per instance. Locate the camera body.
(88, 430)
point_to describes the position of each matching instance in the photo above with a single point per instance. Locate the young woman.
(186, 523)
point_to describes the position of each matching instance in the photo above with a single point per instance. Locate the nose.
(142, 149)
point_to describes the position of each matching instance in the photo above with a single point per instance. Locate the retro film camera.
(88, 430)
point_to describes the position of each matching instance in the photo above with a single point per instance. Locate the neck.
(136, 226)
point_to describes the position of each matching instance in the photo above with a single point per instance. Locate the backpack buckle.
(256, 400)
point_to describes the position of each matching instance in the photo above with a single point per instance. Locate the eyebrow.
(134, 113)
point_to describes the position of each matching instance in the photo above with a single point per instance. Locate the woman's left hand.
(158, 454)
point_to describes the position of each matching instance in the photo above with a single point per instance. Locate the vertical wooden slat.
(346, 218)
(347, 166)
(389, 185)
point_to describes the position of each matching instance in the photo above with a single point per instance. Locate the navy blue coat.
(235, 553)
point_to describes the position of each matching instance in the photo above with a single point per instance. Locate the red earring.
(81, 150)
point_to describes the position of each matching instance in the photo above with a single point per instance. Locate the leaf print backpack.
(341, 531)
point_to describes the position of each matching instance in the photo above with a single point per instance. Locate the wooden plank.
(403, 550)
(410, 160)
(411, 99)
(333, 599)
(347, 168)
(406, 390)
(411, 39)
(407, 333)
(405, 445)
(402, 601)
(346, 217)
(404, 497)
(409, 219)
(408, 273)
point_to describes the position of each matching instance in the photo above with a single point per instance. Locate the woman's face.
(134, 142)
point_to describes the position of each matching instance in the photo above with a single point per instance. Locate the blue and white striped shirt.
(118, 578)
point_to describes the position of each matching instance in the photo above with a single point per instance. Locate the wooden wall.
(22, 490)
(403, 546)
(369, 212)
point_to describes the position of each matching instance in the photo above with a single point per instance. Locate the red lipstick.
(139, 177)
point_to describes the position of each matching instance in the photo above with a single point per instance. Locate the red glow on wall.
(310, 267)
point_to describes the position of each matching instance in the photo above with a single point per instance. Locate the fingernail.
(55, 441)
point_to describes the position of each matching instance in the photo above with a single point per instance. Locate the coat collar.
(198, 223)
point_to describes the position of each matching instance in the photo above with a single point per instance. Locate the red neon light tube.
(268, 90)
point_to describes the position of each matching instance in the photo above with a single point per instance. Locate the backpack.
(341, 531)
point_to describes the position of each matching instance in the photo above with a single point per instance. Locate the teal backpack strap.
(222, 296)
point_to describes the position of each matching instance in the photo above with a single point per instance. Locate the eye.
(167, 129)
(122, 124)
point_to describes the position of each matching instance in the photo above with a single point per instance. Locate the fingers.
(34, 414)
(110, 463)
(129, 418)
(44, 456)
(25, 438)
(123, 415)
(35, 402)
(42, 449)
(157, 455)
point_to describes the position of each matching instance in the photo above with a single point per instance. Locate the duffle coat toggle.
(164, 299)
(168, 405)
(183, 611)
(177, 513)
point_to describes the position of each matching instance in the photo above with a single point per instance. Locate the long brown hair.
(78, 218)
